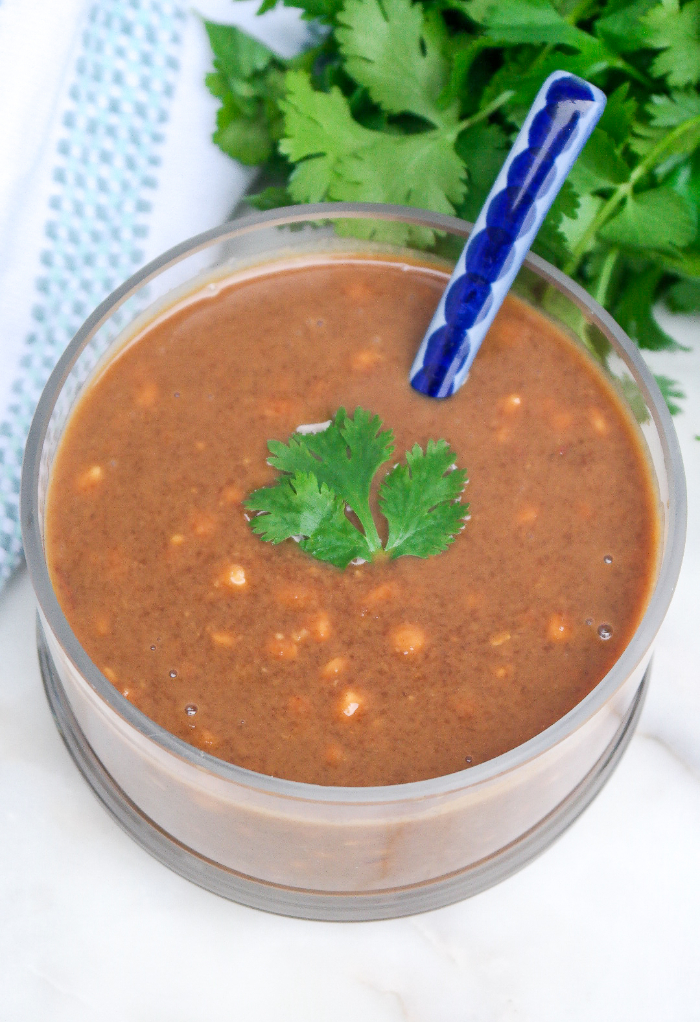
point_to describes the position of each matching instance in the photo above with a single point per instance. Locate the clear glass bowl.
(331, 852)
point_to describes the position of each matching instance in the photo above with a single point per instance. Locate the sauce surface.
(383, 673)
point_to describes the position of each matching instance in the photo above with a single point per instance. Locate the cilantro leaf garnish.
(344, 458)
(324, 475)
(302, 507)
(420, 501)
(416, 102)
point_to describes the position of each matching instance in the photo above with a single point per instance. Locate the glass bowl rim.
(470, 777)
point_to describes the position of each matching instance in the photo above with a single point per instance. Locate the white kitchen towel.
(106, 160)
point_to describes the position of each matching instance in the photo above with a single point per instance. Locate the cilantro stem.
(370, 529)
(605, 213)
(482, 115)
(541, 57)
(667, 143)
(576, 14)
(603, 285)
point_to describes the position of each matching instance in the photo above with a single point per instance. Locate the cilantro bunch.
(327, 474)
(417, 103)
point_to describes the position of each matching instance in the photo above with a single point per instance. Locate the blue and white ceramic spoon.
(560, 121)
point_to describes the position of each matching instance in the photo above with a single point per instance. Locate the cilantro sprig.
(327, 474)
(439, 88)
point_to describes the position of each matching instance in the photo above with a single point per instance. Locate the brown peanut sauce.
(383, 673)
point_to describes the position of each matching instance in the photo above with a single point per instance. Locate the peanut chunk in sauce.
(366, 360)
(350, 702)
(90, 478)
(334, 667)
(319, 626)
(281, 647)
(232, 577)
(559, 628)
(598, 421)
(512, 403)
(408, 639)
(221, 638)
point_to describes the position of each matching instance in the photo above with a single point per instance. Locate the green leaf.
(574, 229)
(243, 139)
(671, 392)
(217, 83)
(658, 219)
(339, 159)
(509, 22)
(676, 31)
(298, 506)
(567, 201)
(551, 240)
(271, 197)
(684, 296)
(320, 130)
(619, 114)
(388, 47)
(483, 149)
(318, 124)
(344, 457)
(663, 149)
(685, 264)
(463, 51)
(671, 135)
(529, 22)
(599, 165)
(248, 80)
(686, 180)
(420, 501)
(634, 311)
(526, 82)
(238, 55)
(414, 170)
(670, 111)
(623, 29)
(328, 473)
(320, 10)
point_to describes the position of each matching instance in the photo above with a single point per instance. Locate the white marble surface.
(604, 926)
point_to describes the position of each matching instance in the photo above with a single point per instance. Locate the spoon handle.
(560, 121)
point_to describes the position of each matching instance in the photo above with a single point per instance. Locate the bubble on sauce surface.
(153, 648)
(190, 709)
(173, 674)
(605, 632)
(608, 559)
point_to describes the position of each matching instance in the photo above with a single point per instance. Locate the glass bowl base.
(324, 905)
